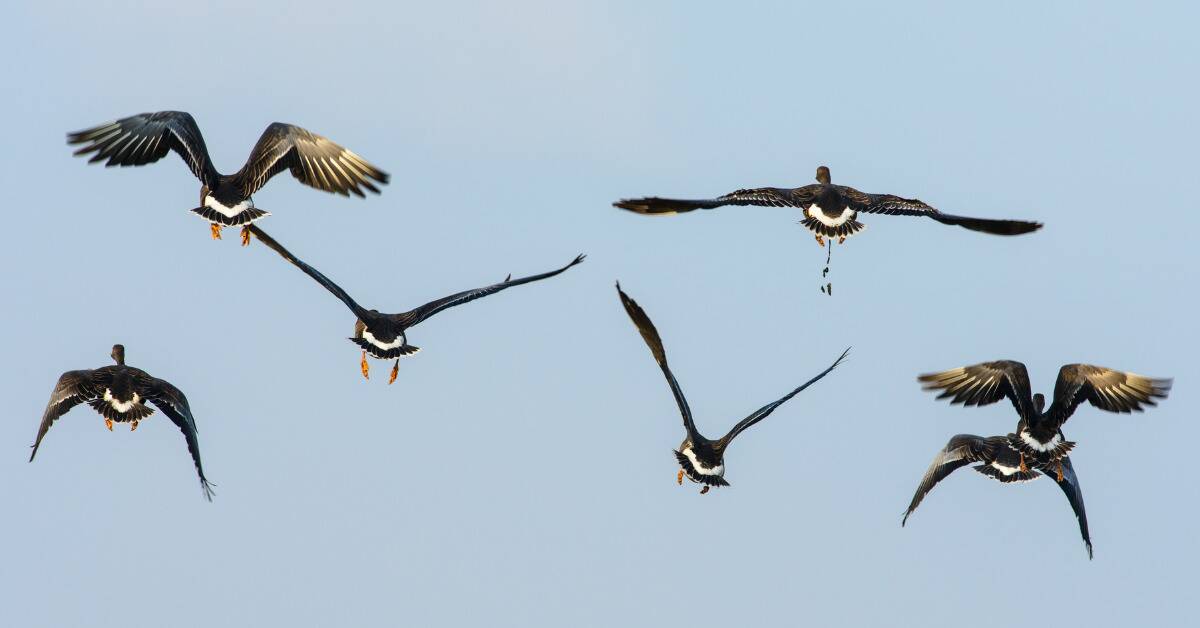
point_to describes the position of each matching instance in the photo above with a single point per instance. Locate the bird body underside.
(230, 213)
(121, 411)
(385, 351)
(1041, 451)
(831, 223)
(701, 471)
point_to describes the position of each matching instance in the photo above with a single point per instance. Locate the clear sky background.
(520, 473)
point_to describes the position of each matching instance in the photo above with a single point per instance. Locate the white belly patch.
(118, 405)
(718, 470)
(1006, 470)
(814, 211)
(228, 212)
(398, 342)
(1035, 445)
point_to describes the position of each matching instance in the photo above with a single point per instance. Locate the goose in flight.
(701, 460)
(119, 393)
(999, 461)
(227, 200)
(382, 335)
(830, 211)
(1039, 433)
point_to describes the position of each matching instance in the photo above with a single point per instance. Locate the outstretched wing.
(962, 450)
(1070, 487)
(314, 160)
(412, 317)
(146, 138)
(308, 270)
(766, 410)
(650, 335)
(983, 384)
(899, 206)
(174, 404)
(1109, 390)
(763, 197)
(73, 388)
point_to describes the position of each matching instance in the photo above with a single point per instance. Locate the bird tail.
(667, 206)
(244, 217)
(988, 225)
(844, 230)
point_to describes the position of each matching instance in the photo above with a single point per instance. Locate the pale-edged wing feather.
(308, 270)
(414, 316)
(145, 138)
(314, 160)
(983, 384)
(1105, 388)
(960, 451)
(650, 335)
(73, 388)
(174, 404)
(762, 197)
(766, 410)
(899, 206)
(1070, 487)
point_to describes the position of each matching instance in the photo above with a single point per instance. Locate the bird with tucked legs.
(119, 393)
(702, 460)
(384, 336)
(227, 200)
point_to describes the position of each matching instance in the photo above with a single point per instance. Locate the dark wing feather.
(308, 270)
(962, 450)
(314, 160)
(983, 384)
(146, 138)
(1070, 487)
(899, 206)
(174, 404)
(73, 388)
(650, 335)
(766, 410)
(763, 197)
(412, 317)
(1109, 390)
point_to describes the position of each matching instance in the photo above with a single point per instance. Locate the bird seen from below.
(227, 200)
(119, 393)
(830, 211)
(999, 461)
(1039, 434)
(382, 335)
(702, 460)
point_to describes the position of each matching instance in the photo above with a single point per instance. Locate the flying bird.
(700, 459)
(1039, 434)
(382, 335)
(227, 200)
(119, 393)
(999, 461)
(830, 211)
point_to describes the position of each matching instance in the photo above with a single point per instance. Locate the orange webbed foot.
(705, 489)
(245, 236)
(108, 423)
(842, 240)
(216, 231)
(133, 425)
(679, 478)
(1024, 468)
(1060, 470)
(395, 372)
(821, 241)
(366, 368)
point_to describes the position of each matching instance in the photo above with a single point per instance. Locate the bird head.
(118, 354)
(823, 175)
(1039, 402)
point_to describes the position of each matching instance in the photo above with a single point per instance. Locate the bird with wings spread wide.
(830, 211)
(702, 460)
(384, 336)
(119, 393)
(227, 200)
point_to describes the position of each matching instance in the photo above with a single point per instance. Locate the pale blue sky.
(519, 472)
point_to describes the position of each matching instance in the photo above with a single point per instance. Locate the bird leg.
(246, 235)
(133, 425)
(679, 478)
(820, 240)
(841, 239)
(216, 231)
(705, 489)
(108, 424)
(1022, 466)
(395, 372)
(1060, 470)
(366, 368)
